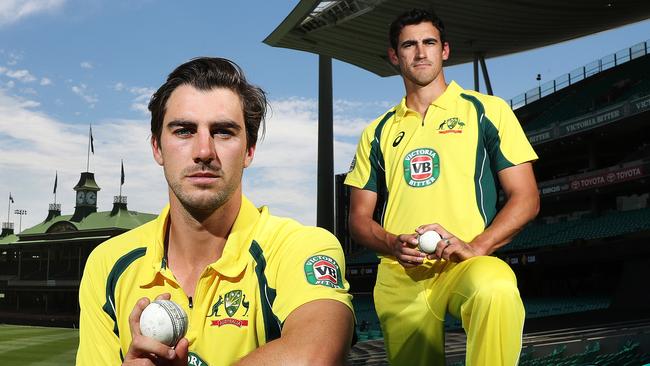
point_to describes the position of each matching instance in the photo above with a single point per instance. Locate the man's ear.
(445, 51)
(392, 56)
(250, 153)
(157, 152)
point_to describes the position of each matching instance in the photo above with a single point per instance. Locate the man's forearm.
(515, 214)
(370, 234)
(297, 346)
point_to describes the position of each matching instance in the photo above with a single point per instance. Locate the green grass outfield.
(37, 346)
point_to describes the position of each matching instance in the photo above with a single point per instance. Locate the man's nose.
(204, 150)
(419, 51)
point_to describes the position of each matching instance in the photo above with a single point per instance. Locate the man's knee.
(483, 281)
(488, 269)
(497, 284)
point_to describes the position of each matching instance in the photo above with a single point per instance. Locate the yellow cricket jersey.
(440, 168)
(269, 267)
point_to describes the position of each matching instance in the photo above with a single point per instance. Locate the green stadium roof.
(8, 239)
(89, 228)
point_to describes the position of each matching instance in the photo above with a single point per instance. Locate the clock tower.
(86, 195)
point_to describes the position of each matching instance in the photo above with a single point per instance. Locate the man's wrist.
(481, 246)
(389, 241)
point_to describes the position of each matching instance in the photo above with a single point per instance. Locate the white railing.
(581, 73)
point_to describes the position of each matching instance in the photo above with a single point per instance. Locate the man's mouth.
(202, 178)
(203, 175)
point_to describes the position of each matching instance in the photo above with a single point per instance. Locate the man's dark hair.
(412, 17)
(207, 73)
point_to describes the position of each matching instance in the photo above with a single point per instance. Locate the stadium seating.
(612, 224)
(368, 327)
(629, 82)
(627, 355)
(541, 307)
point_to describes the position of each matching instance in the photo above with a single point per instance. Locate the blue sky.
(67, 63)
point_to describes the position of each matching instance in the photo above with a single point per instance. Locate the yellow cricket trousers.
(481, 291)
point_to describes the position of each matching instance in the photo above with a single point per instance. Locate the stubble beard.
(421, 79)
(202, 204)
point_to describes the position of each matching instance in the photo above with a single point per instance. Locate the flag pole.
(9, 207)
(90, 132)
(56, 181)
(121, 178)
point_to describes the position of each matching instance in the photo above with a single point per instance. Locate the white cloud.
(86, 65)
(284, 172)
(82, 91)
(11, 11)
(10, 84)
(140, 107)
(13, 58)
(46, 81)
(31, 91)
(283, 175)
(142, 95)
(22, 75)
(34, 145)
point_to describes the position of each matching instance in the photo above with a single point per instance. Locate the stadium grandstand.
(41, 267)
(581, 263)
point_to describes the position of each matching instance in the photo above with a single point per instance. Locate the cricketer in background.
(430, 163)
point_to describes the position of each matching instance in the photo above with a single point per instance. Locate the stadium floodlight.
(331, 12)
(20, 221)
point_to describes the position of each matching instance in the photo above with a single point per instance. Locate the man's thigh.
(461, 281)
(413, 332)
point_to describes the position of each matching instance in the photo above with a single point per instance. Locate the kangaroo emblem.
(215, 307)
(451, 124)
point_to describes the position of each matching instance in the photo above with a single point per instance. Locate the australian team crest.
(232, 301)
(451, 125)
(323, 270)
(421, 167)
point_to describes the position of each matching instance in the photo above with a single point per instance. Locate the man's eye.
(223, 133)
(182, 132)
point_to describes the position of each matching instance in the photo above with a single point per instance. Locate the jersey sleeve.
(363, 170)
(98, 344)
(508, 145)
(311, 267)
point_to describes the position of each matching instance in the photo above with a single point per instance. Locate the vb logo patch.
(323, 270)
(421, 167)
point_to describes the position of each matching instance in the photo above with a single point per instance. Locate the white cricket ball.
(164, 321)
(428, 241)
